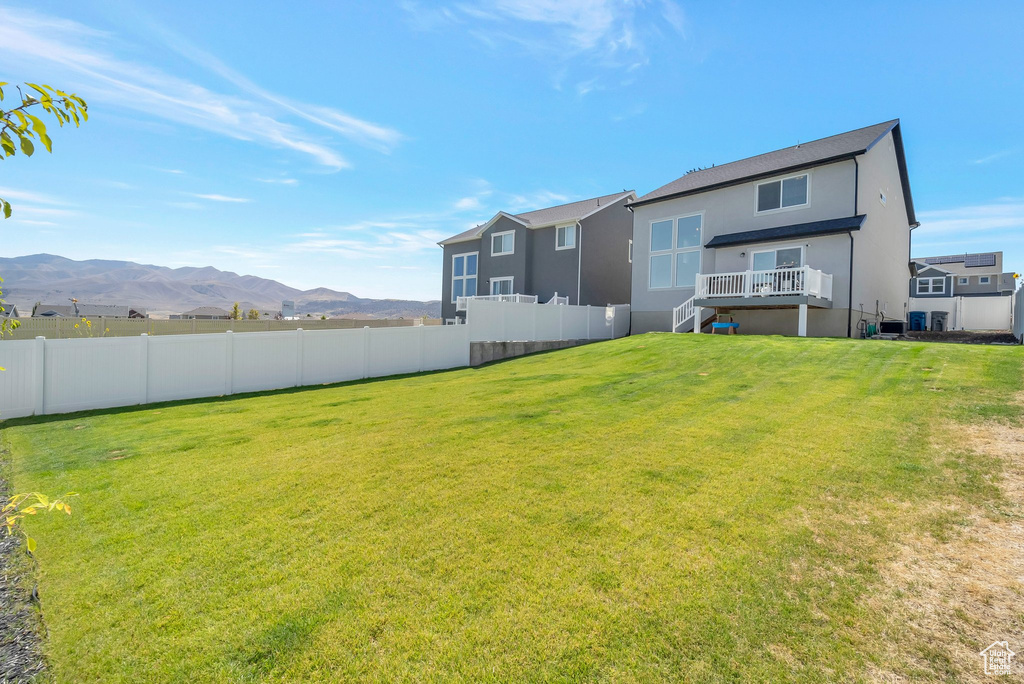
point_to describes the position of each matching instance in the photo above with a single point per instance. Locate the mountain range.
(54, 279)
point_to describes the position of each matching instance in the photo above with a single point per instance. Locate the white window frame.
(984, 280)
(463, 277)
(779, 180)
(802, 248)
(511, 284)
(931, 285)
(568, 226)
(963, 280)
(502, 234)
(674, 250)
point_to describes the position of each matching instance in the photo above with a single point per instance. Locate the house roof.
(68, 310)
(796, 230)
(541, 218)
(206, 311)
(815, 153)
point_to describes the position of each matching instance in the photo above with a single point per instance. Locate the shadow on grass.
(116, 410)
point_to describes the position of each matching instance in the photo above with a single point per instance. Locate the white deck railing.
(681, 314)
(558, 300)
(803, 280)
(461, 302)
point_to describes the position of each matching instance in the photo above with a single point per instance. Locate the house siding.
(606, 270)
(447, 305)
(733, 209)
(552, 270)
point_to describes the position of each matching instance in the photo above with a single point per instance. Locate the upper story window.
(783, 257)
(503, 243)
(984, 280)
(565, 236)
(675, 251)
(782, 194)
(464, 275)
(931, 286)
(961, 281)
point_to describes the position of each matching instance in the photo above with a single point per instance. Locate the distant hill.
(161, 290)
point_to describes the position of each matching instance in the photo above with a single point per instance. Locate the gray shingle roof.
(573, 211)
(814, 153)
(826, 227)
(206, 311)
(68, 310)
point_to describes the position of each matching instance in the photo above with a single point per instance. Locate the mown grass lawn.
(661, 507)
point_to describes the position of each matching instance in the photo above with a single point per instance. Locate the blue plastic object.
(918, 320)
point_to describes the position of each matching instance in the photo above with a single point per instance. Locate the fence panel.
(187, 367)
(333, 355)
(263, 361)
(394, 351)
(574, 323)
(1018, 314)
(21, 382)
(445, 346)
(93, 373)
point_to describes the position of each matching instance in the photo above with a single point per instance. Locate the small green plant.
(253, 315)
(84, 329)
(236, 312)
(20, 506)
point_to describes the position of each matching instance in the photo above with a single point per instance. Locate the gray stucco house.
(809, 240)
(962, 275)
(579, 250)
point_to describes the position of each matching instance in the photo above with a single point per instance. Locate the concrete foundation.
(485, 352)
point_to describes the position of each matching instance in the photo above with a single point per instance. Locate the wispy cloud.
(173, 171)
(279, 181)
(256, 115)
(467, 203)
(213, 197)
(996, 156)
(971, 220)
(603, 32)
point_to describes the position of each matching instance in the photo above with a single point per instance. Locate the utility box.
(918, 320)
(940, 321)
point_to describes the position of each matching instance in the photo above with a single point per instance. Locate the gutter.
(579, 255)
(849, 295)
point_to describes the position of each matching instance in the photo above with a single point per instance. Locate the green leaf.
(7, 209)
(27, 147)
(31, 544)
(40, 128)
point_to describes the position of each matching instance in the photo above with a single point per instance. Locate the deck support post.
(697, 311)
(801, 329)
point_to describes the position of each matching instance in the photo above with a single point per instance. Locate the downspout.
(849, 296)
(579, 264)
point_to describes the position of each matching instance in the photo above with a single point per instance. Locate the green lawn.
(661, 507)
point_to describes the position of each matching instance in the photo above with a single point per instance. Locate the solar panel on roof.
(974, 260)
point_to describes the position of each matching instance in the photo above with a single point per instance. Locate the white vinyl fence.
(507, 322)
(969, 313)
(46, 376)
(1018, 314)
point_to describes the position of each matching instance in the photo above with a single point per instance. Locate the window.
(464, 275)
(931, 286)
(675, 252)
(882, 198)
(501, 286)
(784, 257)
(781, 194)
(961, 281)
(503, 243)
(565, 237)
(984, 280)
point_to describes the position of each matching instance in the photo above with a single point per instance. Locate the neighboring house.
(579, 250)
(962, 275)
(205, 313)
(76, 310)
(810, 239)
(9, 311)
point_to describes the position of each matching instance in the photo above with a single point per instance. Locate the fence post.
(229, 362)
(39, 369)
(536, 313)
(144, 367)
(561, 335)
(422, 335)
(298, 357)
(588, 321)
(366, 351)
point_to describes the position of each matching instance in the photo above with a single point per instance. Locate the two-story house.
(962, 275)
(811, 239)
(579, 251)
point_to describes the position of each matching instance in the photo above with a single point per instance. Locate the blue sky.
(332, 144)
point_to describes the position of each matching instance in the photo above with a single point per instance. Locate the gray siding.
(515, 265)
(447, 305)
(606, 269)
(552, 270)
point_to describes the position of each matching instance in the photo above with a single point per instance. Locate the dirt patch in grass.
(21, 657)
(952, 592)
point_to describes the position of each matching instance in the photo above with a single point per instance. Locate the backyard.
(658, 507)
